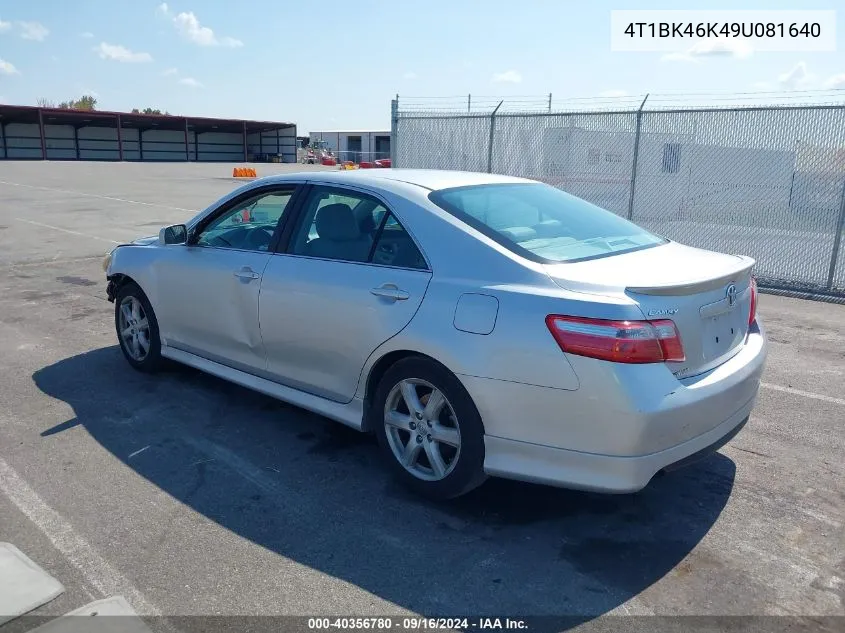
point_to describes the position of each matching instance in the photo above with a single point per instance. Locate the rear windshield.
(543, 223)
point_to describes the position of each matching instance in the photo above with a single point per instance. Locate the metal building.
(55, 134)
(357, 145)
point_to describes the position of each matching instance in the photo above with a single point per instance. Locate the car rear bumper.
(600, 473)
(622, 426)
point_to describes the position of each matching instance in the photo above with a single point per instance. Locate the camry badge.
(662, 311)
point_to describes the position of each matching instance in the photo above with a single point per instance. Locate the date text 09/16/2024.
(412, 623)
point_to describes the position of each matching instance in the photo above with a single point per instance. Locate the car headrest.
(337, 222)
(550, 228)
(519, 233)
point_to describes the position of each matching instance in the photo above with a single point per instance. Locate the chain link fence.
(768, 182)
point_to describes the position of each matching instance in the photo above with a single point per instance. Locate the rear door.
(350, 278)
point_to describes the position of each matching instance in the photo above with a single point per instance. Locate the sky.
(336, 64)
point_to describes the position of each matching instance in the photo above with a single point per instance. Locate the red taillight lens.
(617, 341)
(752, 313)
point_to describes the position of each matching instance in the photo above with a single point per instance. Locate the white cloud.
(509, 76)
(837, 81)
(87, 35)
(190, 81)
(121, 54)
(680, 57)
(798, 78)
(170, 72)
(5, 26)
(33, 31)
(795, 78)
(410, 75)
(614, 93)
(230, 42)
(189, 27)
(736, 49)
(7, 68)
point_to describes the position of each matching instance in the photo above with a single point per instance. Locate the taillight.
(752, 313)
(617, 341)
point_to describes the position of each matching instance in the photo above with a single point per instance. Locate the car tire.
(402, 434)
(137, 329)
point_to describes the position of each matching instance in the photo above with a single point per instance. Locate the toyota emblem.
(731, 294)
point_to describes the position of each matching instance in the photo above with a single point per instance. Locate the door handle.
(390, 291)
(246, 273)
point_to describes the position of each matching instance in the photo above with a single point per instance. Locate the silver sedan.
(477, 324)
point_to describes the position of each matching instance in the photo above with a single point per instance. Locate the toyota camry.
(479, 325)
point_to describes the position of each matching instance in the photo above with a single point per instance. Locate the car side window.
(249, 225)
(344, 225)
(331, 198)
(329, 229)
(395, 247)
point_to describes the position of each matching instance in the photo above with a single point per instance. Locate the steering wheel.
(216, 241)
(258, 239)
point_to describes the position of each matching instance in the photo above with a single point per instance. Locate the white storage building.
(356, 145)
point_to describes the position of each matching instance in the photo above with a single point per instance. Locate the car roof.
(432, 179)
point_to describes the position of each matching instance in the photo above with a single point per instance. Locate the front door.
(208, 289)
(351, 278)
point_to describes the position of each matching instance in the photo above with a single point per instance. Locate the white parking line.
(58, 228)
(138, 452)
(51, 262)
(95, 195)
(93, 567)
(806, 394)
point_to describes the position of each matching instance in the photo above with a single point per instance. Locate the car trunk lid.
(706, 294)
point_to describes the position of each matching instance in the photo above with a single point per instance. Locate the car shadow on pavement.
(317, 493)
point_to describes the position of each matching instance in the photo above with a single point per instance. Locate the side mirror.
(176, 234)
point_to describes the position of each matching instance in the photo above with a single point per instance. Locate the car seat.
(338, 235)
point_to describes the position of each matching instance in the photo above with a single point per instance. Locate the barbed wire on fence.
(536, 104)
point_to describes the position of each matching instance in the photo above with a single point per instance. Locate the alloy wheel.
(134, 328)
(422, 429)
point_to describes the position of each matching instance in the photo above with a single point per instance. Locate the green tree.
(85, 102)
(149, 111)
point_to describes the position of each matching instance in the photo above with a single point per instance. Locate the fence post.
(837, 239)
(394, 128)
(490, 142)
(636, 159)
(469, 103)
(550, 102)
